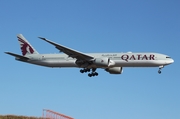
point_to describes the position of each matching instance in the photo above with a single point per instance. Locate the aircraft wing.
(17, 56)
(70, 52)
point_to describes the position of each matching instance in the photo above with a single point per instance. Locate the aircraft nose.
(172, 60)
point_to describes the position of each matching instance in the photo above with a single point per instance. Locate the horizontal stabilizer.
(17, 56)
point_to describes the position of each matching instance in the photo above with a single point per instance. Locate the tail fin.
(26, 47)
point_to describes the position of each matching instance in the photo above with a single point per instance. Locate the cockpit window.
(168, 57)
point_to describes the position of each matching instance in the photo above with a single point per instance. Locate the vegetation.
(17, 117)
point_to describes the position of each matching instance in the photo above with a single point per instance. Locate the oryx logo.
(25, 47)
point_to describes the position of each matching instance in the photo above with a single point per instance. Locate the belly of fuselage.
(55, 63)
(141, 63)
(118, 63)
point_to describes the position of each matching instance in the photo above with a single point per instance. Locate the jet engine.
(115, 70)
(102, 62)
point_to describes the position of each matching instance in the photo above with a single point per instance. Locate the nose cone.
(170, 61)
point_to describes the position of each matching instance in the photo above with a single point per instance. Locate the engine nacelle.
(102, 62)
(115, 70)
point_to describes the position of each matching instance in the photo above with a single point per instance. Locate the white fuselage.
(118, 59)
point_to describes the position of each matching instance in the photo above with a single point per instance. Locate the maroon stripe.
(21, 40)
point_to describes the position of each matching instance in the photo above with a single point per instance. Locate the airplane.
(89, 62)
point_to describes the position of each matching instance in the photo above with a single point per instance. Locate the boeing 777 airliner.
(89, 62)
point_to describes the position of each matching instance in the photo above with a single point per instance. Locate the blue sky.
(91, 26)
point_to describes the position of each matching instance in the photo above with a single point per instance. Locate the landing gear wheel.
(159, 71)
(93, 73)
(96, 73)
(160, 67)
(89, 74)
(82, 71)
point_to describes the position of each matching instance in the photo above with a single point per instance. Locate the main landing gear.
(160, 68)
(93, 73)
(85, 70)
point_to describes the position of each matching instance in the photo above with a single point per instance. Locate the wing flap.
(70, 52)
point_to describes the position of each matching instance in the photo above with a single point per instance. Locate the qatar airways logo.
(25, 47)
(137, 57)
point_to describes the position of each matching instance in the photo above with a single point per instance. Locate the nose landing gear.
(160, 68)
(159, 71)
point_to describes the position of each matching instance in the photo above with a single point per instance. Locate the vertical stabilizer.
(25, 46)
